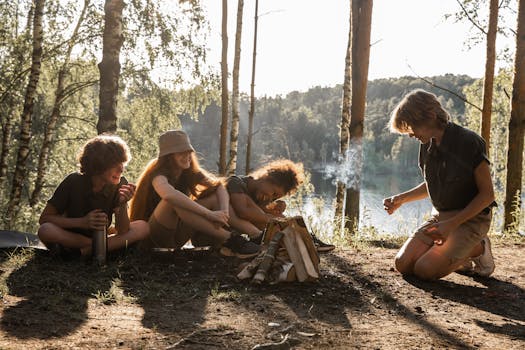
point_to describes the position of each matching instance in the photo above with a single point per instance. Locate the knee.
(46, 231)
(403, 265)
(141, 228)
(426, 270)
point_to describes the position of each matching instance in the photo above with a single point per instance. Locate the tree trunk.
(109, 67)
(252, 93)
(19, 176)
(7, 99)
(361, 27)
(345, 119)
(224, 89)
(488, 83)
(51, 123)
(234, 132)
(516, 129)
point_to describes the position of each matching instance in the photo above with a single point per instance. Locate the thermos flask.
(100, 246)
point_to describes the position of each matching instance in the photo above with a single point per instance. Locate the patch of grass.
(114, 295)
(217, 293)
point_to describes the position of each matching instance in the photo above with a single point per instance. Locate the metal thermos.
(100, 246)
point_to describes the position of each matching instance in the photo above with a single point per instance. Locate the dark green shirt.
(448, 169)
(74, 198)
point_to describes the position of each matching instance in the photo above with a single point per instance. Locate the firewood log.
(249, 270)
(311, 270)
(268, 258)
(293, 252)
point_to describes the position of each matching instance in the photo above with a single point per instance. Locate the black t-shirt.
(448, 169)
(237, 184)
(74, 198)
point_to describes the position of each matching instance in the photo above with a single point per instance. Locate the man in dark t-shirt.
(85, 202)
(456, 170)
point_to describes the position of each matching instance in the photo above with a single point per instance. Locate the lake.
(404, 221)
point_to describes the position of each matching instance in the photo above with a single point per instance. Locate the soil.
(195, 302)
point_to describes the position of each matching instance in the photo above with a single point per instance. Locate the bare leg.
(243, 226)
(51, 233)
(436, 263)
(409, 253)
(211, 202)
(168, 216)
(138, 230)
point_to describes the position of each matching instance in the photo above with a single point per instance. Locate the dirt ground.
(174, 302)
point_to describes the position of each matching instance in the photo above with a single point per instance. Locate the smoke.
(348, 167)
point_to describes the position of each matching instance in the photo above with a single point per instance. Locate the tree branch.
(470, 18)
(445, 89)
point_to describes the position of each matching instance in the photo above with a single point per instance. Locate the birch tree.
(234, 132)
(345, 119)
(27, 113)
(490, 62)
(60, 96)
(252, 93)
(224, 90)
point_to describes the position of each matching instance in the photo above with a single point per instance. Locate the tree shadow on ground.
(54, 295)
(172, 288)
(495, 297)
(371, 288)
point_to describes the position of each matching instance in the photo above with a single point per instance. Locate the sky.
(302, 43)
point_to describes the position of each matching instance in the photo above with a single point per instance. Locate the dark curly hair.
(282, 172)
(102, 153)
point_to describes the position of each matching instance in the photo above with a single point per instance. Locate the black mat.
(12, 239)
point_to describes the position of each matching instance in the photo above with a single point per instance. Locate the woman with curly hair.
(255, 198)
(177, 197)
(85, 202)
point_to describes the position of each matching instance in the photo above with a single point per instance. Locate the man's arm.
(393, 203)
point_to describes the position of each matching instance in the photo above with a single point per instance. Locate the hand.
(391, 204)
(276, 208)
(126, 192)
(96, 220)
(439, 231)
(219, 217)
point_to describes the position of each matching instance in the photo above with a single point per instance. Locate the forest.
(302, 126)
(74, 69)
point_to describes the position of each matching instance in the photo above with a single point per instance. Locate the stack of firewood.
(288, 254)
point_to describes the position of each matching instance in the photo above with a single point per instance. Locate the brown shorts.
(164, 237)
(461, 241)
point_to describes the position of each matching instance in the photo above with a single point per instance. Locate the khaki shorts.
(164, 237)
(461, 241)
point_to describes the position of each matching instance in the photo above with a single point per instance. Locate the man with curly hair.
(255, 198)
(85, 202)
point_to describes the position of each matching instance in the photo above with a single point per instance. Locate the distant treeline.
(304, 126)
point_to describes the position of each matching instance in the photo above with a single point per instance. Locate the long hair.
(194, 182)
(415, 109)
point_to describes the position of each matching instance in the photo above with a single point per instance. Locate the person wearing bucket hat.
(177, 197)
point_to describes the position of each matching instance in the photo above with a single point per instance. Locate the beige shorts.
(461, 241)
(164, 237)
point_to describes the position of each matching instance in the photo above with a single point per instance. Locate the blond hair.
(415, 109)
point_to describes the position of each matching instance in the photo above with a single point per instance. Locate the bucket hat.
(174, 141)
